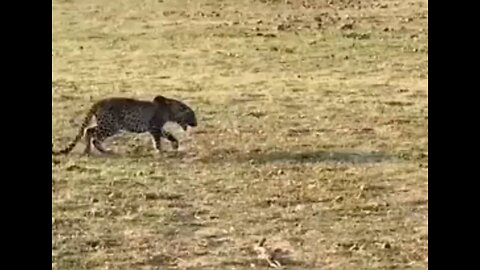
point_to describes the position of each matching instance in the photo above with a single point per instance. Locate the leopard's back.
(125, 114)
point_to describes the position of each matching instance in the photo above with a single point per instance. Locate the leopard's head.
(180, 113)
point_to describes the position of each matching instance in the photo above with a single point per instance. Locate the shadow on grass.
(319, 156)
(260, 157)
(324, 156)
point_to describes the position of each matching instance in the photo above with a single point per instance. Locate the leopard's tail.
(80, 133)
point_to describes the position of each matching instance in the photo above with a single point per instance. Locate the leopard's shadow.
(326, 156)
(258, 157)
(318, 156)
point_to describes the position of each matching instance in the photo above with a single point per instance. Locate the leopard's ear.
(161, 100)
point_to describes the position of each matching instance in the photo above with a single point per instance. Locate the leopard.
(115, 115)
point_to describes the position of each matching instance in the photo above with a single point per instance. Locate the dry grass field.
(313, 134)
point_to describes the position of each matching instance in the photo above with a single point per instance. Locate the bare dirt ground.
(313, 134)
